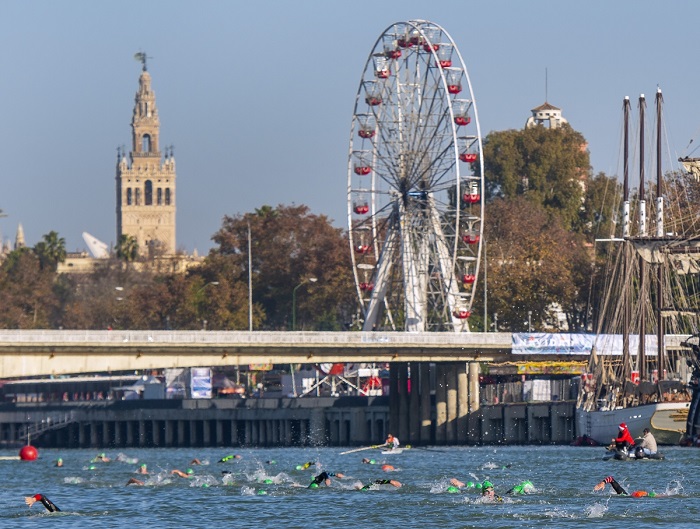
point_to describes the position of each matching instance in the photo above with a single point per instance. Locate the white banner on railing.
(577, 344)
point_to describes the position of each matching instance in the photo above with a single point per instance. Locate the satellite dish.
(98, 249)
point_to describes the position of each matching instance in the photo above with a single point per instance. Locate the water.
(563, 477)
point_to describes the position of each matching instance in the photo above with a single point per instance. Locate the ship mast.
(659, 233)
(642, 233)
(626, 316)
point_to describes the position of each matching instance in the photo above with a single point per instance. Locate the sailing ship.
(642, 361)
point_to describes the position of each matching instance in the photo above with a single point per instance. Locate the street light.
(205, 286)
(529, 321)
(294, 299)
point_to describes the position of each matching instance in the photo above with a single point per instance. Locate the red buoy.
(28, 453)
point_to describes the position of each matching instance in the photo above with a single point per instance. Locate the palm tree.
(51, 251)
(127, 248)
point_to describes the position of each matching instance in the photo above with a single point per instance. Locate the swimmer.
(182, 474)
(488, 492)
(368, 461)
(227, 458)
(388, 468)
(142, 469)
(522, 488)
(469, 484)
(270, 462)
(306, 465)
(392, 482)
(59, 462)
(50, 506)
(134, 481)
(195, 461)
(325, 477)
(100, 458)
(622, 492)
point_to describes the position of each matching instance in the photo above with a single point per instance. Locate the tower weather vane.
(141, 57)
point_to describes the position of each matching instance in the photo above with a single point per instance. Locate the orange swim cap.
(639, 494)
(387, 468)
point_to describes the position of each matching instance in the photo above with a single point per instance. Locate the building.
(547, 115)
(146, 180)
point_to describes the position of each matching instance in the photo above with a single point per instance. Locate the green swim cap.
(313, 486)
(486, 484)
(298, 467)
(205, 484)
(452, 489)
(190, 471)
(267, 481)
(262, 493)
(470, 484)
(518, 489)
(478, 485)
(60, 460)
(652, 494)
(92, 467)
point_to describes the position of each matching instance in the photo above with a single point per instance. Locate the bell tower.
(146, 179)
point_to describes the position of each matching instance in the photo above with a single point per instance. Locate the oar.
(360, 449)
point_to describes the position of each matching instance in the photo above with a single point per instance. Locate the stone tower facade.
(146, 179)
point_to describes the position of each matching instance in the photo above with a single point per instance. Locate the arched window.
(167, 196)
(160, 196)
(146, 143)
(137, 197)
(148, 195)
(128, 196)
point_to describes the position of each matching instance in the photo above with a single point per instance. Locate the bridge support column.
(462, 402)
(219, 426)
(94, 441)
(404, 410)
(130, 434)
(393, 399)
(451, 385)
(81, 435)
(168, 433)
(474, 432)
(142, 433)
(440, 403)
(414, 416)
(426, 411)
(106, 437)
(181, 433)
(234, 434)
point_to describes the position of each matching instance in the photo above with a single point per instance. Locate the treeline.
(544, 211)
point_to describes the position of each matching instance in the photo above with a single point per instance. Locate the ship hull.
(666, 421)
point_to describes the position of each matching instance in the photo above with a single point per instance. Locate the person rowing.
(50, 506)
(392, 443)
(325, 478)
(622, 492)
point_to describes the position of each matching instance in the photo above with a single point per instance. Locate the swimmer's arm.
(456, 483)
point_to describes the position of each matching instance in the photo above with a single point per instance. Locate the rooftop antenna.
(546, 85)
(142, 57)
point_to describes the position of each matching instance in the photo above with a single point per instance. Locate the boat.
(641, 360)
(633, 455)
(393, 451)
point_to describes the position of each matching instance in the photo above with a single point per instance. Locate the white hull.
(665, 420)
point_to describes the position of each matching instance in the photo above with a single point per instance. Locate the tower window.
(160, 196)
(146, 143)
(137, 197)
(148, 195)
(128, 196)
(167, 196)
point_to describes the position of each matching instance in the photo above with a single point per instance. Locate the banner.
(200, 382)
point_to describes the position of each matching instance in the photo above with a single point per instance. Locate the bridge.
(25, 353)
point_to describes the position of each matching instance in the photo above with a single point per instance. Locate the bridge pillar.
(81, 435)
(440, 403)
(462, 402)
(404, 410)
(317, 429)
(168, 434)
(394, 399)
(426, 412)
(181, 433)
(474, 421)
(94, 441)
(414, 416)
(451, 385)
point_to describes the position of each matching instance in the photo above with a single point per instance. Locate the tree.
(290, 245)
(548, 166)
(530, 257)
(127, 248)
(51, 251)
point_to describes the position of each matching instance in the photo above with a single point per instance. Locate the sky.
(257, 97)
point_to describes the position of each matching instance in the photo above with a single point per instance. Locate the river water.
(261, 494)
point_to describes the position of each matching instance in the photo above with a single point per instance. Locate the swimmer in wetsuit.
(306, 465)
(392, 482)
(50, 506)
(226, 458)
(488, 492)
(324, 477)
(622, 492)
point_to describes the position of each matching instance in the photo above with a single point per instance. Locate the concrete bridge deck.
(30, 353)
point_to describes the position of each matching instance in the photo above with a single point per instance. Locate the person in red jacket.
(624, 439)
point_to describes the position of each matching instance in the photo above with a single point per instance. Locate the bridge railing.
(257, 337)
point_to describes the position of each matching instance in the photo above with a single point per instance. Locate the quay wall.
(268, 422)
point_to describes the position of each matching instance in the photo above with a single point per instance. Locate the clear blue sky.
(257, 96)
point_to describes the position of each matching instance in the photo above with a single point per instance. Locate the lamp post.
(529, 321)
(294, 300)
(214, 283)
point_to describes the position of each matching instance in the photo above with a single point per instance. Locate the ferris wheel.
(415, 181)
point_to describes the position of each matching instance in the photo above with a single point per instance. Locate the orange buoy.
(28, 453)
